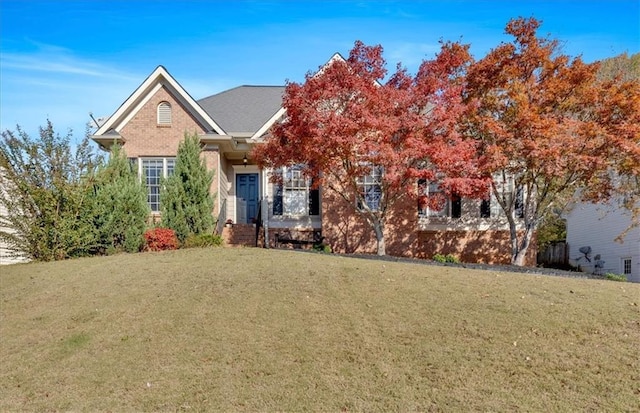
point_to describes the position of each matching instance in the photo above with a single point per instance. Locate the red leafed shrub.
(160, 239)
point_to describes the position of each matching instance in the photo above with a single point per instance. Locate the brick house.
(153, 120)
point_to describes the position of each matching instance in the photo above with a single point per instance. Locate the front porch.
(267, 228)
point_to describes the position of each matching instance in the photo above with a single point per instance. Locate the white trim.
(165, 167)
(137, 108)
(238, 170)
(269, 123)
(160, 77)
(218, 173)
(336, 57)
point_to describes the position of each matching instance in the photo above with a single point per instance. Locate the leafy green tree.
(120, 206)
(553, 228)
(186, 200)
(44, 191)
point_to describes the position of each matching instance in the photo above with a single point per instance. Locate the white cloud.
(52, 83)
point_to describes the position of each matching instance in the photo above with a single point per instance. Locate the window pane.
(295, 192)
(152, 169)
(295, 202)
(370, 189)
(372, 196)
(171, 165)
(519, 206)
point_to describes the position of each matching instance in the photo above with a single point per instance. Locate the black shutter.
(456, 206)
(485, 208)
(314, 202)
(277, 200)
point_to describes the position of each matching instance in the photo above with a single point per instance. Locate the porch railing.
(262, 221)
(222, 217)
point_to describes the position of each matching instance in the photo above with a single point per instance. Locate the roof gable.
(156, 80)
(249, 111)
(245, 111)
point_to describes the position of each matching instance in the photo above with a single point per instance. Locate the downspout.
(219, 201)
(265, 209)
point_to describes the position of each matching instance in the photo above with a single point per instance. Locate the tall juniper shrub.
(186, 200)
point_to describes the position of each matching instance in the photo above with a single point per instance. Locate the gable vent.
(164, 113)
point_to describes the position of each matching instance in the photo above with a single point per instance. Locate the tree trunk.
(378, 228)
(519, 256)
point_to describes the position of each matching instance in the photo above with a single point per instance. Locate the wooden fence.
(556, 254)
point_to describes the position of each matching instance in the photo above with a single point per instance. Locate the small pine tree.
(186, 200)
(120, 206)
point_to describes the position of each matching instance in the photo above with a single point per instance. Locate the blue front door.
(247, 191)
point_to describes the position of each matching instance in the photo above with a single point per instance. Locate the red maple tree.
(547, 127)
(347, 127)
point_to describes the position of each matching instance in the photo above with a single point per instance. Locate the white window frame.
(429, 188)
(296, 191)
(507, 187)
(164, 113)
(153, 183)
(370, 187)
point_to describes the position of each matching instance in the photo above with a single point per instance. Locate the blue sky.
(61, 60)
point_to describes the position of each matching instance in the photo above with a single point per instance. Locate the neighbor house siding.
(6, 255)
(597, 226)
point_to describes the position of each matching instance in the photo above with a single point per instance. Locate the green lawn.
(264, 330)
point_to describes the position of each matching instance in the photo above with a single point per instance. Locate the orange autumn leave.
(524, 113)
(551, 123)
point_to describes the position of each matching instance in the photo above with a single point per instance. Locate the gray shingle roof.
(243, 109)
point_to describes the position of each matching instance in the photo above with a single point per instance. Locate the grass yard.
(269, 330)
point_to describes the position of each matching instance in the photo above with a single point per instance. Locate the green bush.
(46, 191)
(322, 248)
(202, 240)
(120, 206)
(185, 197)
(615, 277)
(449, 258)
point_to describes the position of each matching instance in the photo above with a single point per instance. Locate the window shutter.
(456, 206)
(314, 202)
(485, 208)
(164, 113)
(277, 200)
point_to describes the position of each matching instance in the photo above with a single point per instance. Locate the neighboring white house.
(6, 256)
(592, 230)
